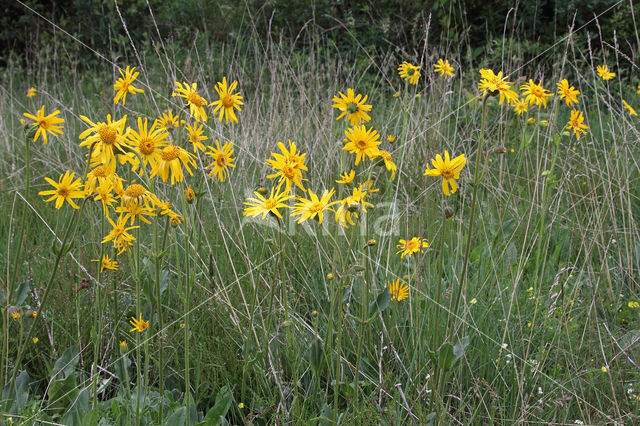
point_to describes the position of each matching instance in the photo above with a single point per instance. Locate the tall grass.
(252, 328)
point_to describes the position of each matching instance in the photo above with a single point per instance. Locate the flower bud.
(371, 243)
(190, 194)
(329, 276)
(449, 212)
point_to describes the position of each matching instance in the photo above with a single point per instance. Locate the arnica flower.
(168, 120)
(289, 166)
(119, 236)
(189, 194)
(45, 123)
(263, 206)
(496, 83)
(347, 177)
(388, 162)
(106, 263)
(137, 203)
(124, 84)
(352, 107)
(604, 73)
(351, 206)
(222, 160)
(568, 93)
(576, 122)
(172, 158)
(66, 189)
(629, 108)
(94, 178)
(448, 169)
(31, 92)
(148, 142)
(139, 325)
(362, 141)
(391, 138)
(109, 139)
(408, 247)
(520, 106)
(196, 102)
(444, 68)
(313, 207)
(228, 101)
(196, 136)
(410, 72)
(399, 290)
(103, 194)
(535, 93)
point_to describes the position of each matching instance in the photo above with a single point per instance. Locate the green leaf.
(216, 414)
(315, 356)
(66, 364)
(381, 303)
(177, 418)
(445, 356)
(460, 348)
(21, 293)
(20, 393)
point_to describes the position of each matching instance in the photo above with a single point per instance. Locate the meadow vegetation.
(263, 231)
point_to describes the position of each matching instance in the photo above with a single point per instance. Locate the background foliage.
(380, 26)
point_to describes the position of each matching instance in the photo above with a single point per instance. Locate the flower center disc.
(134, 190)
(361, 145)
(220, 161)
(227, 101)
(63, 192)
(107, 134)
(195, 99)
(146, 146)
(170, 153)
(269, 203)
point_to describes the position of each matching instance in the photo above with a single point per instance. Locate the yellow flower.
(604, 73)
(66, 189)
(444, 68)
(399, 291)
(351, 205)
(473, 301)
(576, 123)
(629, 108)
(329, 276)
(196, 102)
(408, 247)
(15, 315)
(531, 120)
(388, 162)
(633, 304)
(397, 94)
(172, 158)
(109, 139)
(448, 169)
(289, 166)
(31, 92)
(535, 93)
(195, 136)
(263, 206)
(410, 72)
(123, 344)
(189, 194)
(347, 177)
(106, 263)
(148, 142)
(391, 138)
(241, 405)
(353, 107)
(228, 101)
(222, 160)
(314, 207)
(568, 93)
(124, 84)
(35, 340)
(45, 123)
(604, 369)
(168, 120)
(520, 106)
(119, 235)
(362, 142)
(139, 325)
(492, 82)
